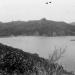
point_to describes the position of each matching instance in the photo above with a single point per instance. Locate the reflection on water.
(45, 46)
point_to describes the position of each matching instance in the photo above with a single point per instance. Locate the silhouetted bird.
(46, 3)
(50, 2)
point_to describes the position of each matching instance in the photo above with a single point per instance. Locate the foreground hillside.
(14, 61)
(41, 27)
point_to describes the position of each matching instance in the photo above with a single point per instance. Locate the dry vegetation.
(17, 62)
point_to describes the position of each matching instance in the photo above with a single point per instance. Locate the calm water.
(45, 46)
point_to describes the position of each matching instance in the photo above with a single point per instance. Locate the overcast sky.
(58, 10)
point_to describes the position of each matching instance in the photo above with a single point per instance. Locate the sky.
(25, 10)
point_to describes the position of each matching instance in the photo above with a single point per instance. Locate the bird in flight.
(48, 2)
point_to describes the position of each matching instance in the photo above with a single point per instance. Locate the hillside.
(14, 61)
(73, 23)
(41, 27)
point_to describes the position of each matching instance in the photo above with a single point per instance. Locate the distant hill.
(73, 23)
(41, 27)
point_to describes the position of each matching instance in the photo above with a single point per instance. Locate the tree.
(56, 55)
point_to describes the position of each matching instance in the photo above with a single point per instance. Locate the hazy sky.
(58, 10)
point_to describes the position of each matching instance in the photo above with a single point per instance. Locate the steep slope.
(14, 61)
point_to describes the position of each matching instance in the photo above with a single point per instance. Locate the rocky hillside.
(14, 61)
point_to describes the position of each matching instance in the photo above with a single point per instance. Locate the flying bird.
(48, 2)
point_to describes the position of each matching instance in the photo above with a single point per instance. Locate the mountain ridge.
(72, 23)
(41, 27)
